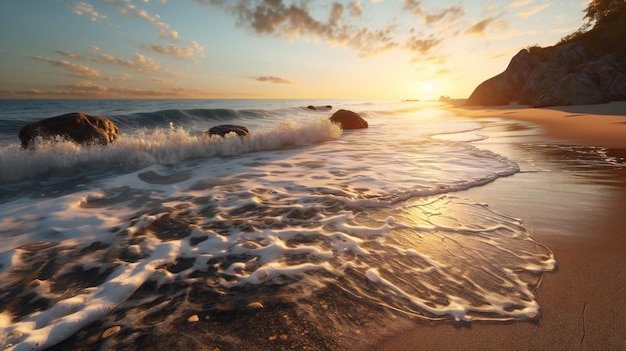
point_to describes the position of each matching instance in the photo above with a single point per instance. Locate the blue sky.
(268, 48)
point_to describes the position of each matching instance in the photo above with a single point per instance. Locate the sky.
(387, 49)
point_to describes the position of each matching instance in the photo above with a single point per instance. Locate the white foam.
(45, 329)
(145, 147)
(367, 207)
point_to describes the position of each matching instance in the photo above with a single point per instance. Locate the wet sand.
(570, 202)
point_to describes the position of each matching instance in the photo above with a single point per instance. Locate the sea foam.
(147, 146)
(167, 221)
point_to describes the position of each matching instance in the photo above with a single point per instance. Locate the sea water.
(168, 222)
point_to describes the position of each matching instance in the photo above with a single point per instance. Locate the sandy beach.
(569, 202)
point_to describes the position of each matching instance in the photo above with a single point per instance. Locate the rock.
(562, 75)
(256, 305)
(78, 127)
(193, 319)
(111, 331)
(569, 75)
(224, 129)
(320, 108)
(507, 86)
(611, 70)
(571, 89)
(348, 120)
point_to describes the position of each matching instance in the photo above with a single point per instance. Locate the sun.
(424, 89)
(427, 87)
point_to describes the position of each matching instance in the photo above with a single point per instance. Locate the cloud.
(422, 46)
(78, 89)
(131, 10)
(355, 8)
(520, 3)
(273, 17)
(86, 72)
(195, 49)
(414, 6)
(89, 89)
(179, 51)
(272, 79)
(162, 81)
(492, 7)
(479, 28)
(139, 63)
(85, 88)
(533, 11)
(368, 42)
(94, 48)
(81, 71)
(83, 8)
(450, 14)
(299, 19)
(68, 54)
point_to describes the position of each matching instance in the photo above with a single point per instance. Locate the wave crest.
(149, 146)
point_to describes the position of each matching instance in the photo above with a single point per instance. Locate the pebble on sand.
(111, 331)
(255, 305)
(193, 319)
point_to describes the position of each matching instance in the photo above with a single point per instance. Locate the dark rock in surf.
(349, 120)
(224, 129)
(79, 127)
(320, 108)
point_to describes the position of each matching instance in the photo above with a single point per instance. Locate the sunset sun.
(427, 87)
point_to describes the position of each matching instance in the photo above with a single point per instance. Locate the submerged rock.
(224, 129)
(322, 108)
(349, 120)
(79, 127)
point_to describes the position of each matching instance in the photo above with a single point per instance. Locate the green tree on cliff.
(601, 12)
(605, 30)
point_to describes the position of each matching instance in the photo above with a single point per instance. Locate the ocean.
(298, 236)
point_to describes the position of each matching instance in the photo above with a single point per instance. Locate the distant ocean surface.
(325, 225)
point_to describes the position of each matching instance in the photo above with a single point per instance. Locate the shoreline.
(601, 125)
(569, 202)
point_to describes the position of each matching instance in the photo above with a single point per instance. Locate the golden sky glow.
(268, 49)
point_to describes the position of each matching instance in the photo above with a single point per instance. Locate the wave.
(152, 145)
(185, 117)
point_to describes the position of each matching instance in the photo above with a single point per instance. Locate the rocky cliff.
(567, 74)
(507, 86)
